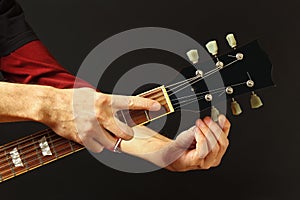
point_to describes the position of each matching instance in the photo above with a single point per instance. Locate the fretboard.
(33, 151)
(43, 147)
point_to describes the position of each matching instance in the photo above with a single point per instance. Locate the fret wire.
(124, 117)
(10, 164)
(148, 118)
(52, 146)
(22, 155)
(72, 149)
(36, 152)
(153, 96)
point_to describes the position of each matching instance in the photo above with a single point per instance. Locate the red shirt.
(33, 64)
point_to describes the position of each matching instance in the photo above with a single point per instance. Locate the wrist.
(51, 103)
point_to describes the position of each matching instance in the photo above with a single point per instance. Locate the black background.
(262, 161)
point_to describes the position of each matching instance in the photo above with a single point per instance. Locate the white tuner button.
(208, 97)
(193, 56)
(231, 40)
(239, 56)
(199, 73)
(212, 47)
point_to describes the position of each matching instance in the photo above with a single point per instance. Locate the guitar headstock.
(245, 69)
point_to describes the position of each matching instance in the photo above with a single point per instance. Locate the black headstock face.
(239, 75)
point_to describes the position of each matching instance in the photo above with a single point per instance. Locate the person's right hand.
(84, 116)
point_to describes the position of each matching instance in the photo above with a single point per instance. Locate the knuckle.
(104, 100)
(216, 150)
(217, 163)
(226, 143)
(125, 136)
(131, 101)
(206, 166)
(99, 149)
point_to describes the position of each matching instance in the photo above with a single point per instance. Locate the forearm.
(149, 145)
(20, 102)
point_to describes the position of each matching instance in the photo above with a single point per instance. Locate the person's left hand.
(209, 143)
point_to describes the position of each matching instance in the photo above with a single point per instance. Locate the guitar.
(244, 69)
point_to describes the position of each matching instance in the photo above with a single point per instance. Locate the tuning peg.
(231, 40)
(255, 101)
(235, 107)
(212, 47)
(214, 114)
(193, 56)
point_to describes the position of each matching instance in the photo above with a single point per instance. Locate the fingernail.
(221, 120)
(200, 123)
(207, 120)
(155, 106)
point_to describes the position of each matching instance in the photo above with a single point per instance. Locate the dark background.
(262, 161)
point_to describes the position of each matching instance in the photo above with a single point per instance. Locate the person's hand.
(84, 116)
(203, 145)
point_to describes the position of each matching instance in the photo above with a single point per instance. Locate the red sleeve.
(33, 64)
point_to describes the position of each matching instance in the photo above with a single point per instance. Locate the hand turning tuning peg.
(193, 56)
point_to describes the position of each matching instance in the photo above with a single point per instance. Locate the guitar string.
(209, 73)
(214, 91)
(186, 80)
(194, 81)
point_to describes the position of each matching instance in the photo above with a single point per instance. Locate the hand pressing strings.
(86, 116)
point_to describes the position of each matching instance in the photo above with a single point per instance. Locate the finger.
(224, 124)
(105, 138)
(211, 140)
(220, 155)
(201, 144)
(216, 130)
(119, 129)
(221, 137)
(93, 145)
(185, 139)
(210, 159)
(134, 103)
